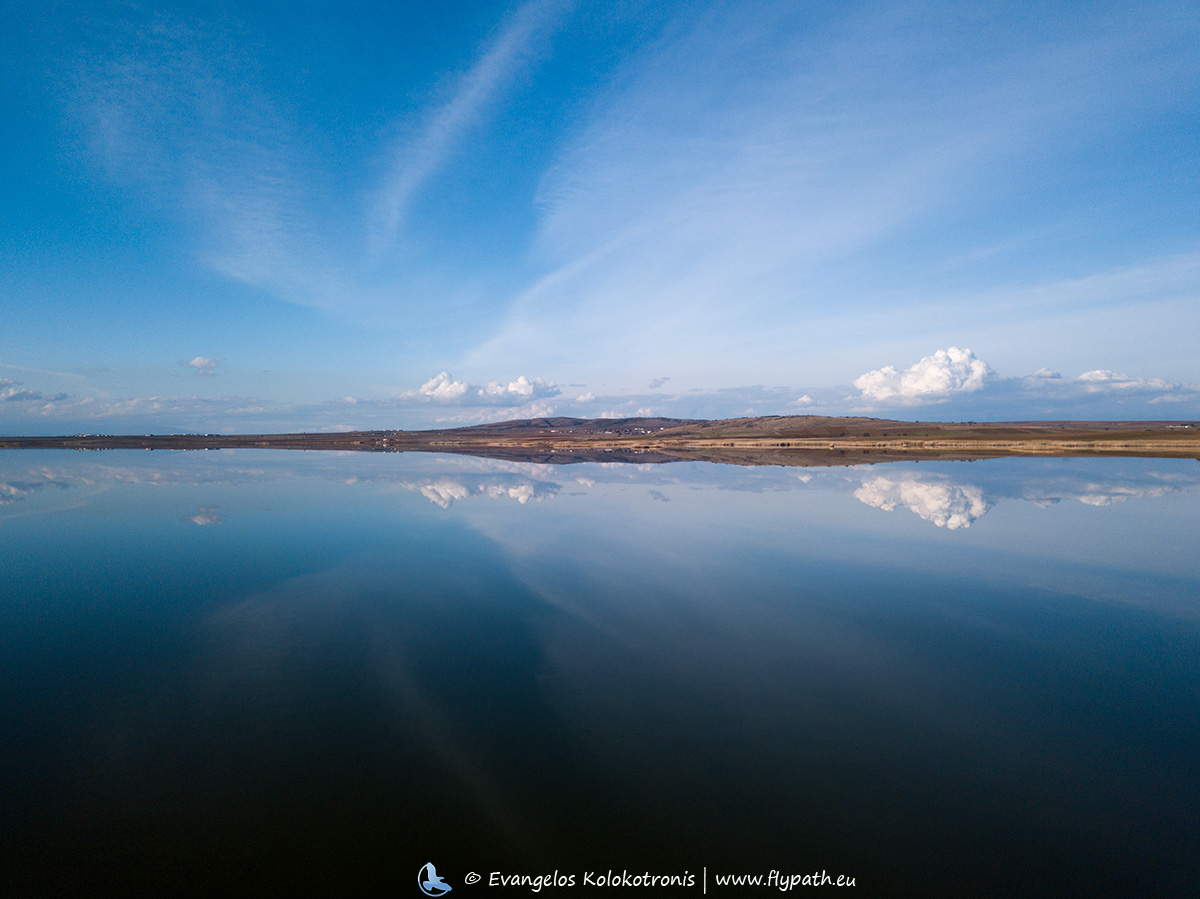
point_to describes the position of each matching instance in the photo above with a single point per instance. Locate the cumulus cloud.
(204, 365)
(1102, 385)
(935, 378)
(1101, 378)
(958, 375)
(443, 389)
(16, 394)
(15, 391)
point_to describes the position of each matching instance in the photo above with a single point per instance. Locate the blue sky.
(269, 216)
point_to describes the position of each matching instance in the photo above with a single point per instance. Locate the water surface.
(257, 669)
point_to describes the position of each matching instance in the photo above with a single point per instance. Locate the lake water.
(251, 670)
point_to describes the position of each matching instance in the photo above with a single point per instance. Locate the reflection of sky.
(949, 495)
(1103, 515)
(764, 632)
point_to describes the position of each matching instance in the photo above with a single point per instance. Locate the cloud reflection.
(947, 505)
(205, 515)
(954, 504)
(445, 492)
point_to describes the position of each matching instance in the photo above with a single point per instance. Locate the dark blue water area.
(254, 671)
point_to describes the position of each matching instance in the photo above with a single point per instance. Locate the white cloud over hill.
(935, 377)
(443, 389)
(962, 380)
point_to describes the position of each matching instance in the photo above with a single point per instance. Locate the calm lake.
(252, 670)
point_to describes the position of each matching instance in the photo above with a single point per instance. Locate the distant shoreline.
(761, 440)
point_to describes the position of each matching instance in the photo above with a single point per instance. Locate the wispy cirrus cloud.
(181, 110)
(750, 182)
(421, 155)
(176, 109)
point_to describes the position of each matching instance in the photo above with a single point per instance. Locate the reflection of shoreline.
(795, 454)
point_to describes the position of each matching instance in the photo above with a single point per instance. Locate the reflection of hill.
(540, 456)
(808, 458)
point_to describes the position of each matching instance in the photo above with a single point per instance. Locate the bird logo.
(431, 883)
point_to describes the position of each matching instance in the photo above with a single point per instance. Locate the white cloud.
(204, 365)
(443, 389)
(935, 377)
(14, 390)
(1105, 385)
(1100, 379)
(522, 387)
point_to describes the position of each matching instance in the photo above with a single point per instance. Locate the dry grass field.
(769, 440)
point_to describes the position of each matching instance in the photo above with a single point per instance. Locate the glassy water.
(253, 670)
